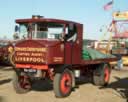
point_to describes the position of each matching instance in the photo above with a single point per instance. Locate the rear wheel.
(63, 83)
(21, 83)
(101, 75)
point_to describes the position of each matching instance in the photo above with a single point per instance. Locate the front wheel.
(21, 83)
(63, 83)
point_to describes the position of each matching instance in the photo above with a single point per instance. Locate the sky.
(88, 12)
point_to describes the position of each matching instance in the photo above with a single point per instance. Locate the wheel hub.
(66, 83)
(106, 75)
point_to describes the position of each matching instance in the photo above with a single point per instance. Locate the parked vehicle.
(6, 50)
(53, 49)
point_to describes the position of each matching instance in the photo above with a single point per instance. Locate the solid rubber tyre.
(101, 75)
(62, 83)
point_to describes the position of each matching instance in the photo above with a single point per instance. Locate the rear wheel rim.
(106, 74)
(66, 83)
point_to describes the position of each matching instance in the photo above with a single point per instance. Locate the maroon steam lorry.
(53, 49)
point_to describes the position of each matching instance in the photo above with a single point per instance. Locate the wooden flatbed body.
(98, 61)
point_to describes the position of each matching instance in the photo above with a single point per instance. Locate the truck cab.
(57, 41)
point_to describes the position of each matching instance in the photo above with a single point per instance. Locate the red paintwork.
(43, 67)
(53, 49)
(44, 20)
(68, 52)
(58, 52)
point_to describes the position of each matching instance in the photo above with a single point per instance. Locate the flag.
(108, 6)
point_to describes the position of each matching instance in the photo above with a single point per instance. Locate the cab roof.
(46, 20)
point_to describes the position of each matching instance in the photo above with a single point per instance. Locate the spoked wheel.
(101, 75)
(21, 83)
(63, 83)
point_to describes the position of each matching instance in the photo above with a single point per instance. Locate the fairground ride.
(120, 36)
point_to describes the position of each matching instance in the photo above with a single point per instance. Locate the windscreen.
(41, 30)
(47, 31)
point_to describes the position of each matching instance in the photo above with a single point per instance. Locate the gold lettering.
(21, 59)
(22, 54)
(34, 59)
(16, 59)
(37, 60)
(30, 49)
(58, 59)
(29, 59)
(24, 59)
(42, 60)
(36, 54)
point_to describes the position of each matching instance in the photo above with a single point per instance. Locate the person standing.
(119, 62)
